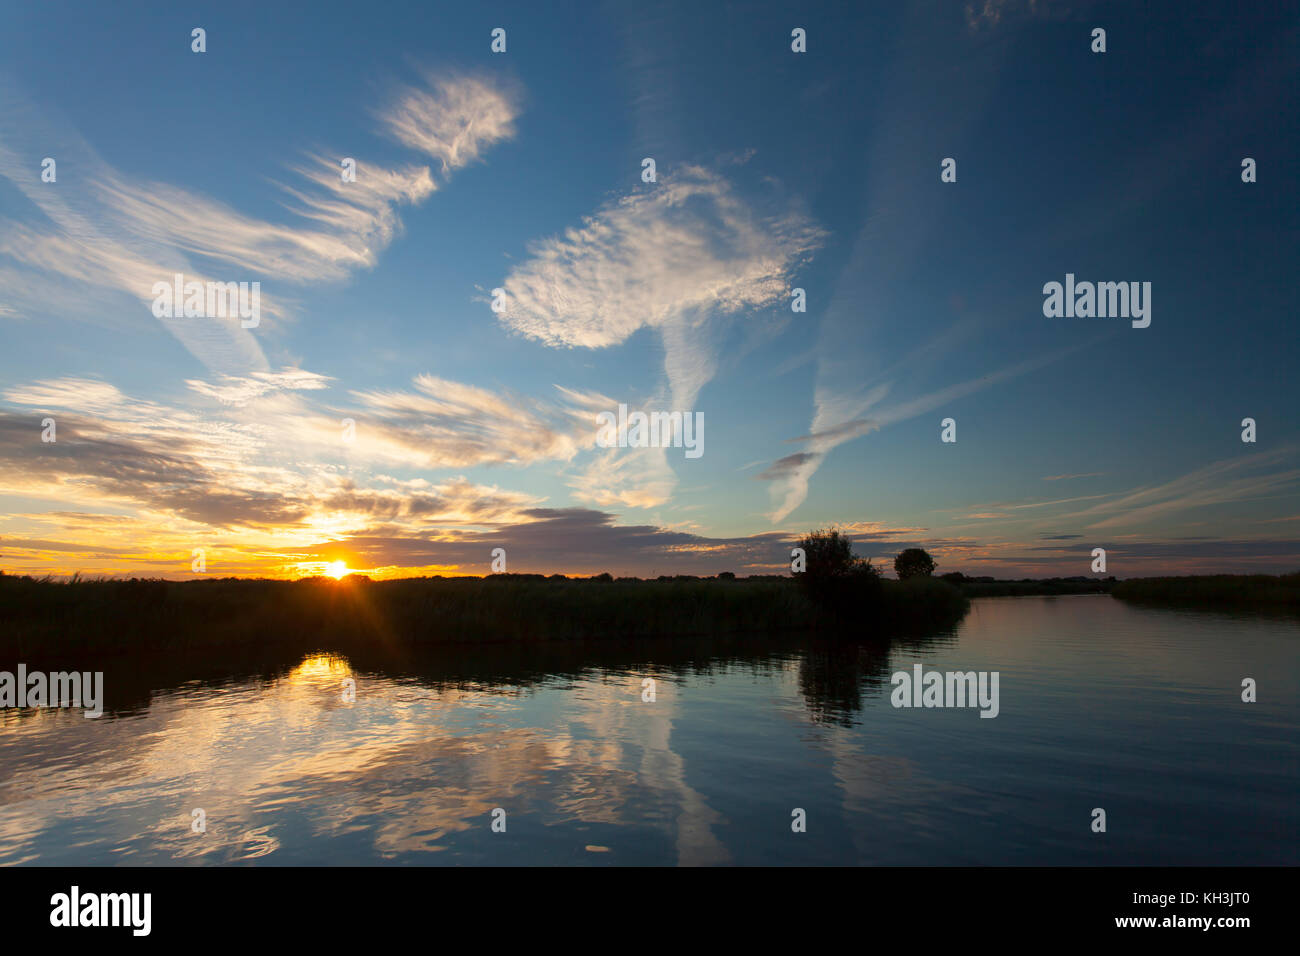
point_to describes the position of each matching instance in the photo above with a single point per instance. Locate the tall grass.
(1031, 588)
(172, 617)
(1239, 590)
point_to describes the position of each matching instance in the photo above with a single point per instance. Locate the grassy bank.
(43, 616)
(1224, 590)
(1029, 587)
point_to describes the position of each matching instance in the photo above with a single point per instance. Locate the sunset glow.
(445, 345)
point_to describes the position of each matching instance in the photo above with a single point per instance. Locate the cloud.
(580, 540)
(989, 13)
(900, 216)
(110, 258)
(117, 232)
(112, 450)
(784, 468)
(634, 477)
(869, 530)
(1091, 474)
(1228, 481)
(454, 121)
(676, 257)
(359, 220)
(1155, 557)
(97, 461)
(241, 389)
(419, 503)
(841, 433)
(838, 419)
(259, 498)
(443, 424)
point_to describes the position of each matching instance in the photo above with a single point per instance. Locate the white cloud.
(635, 477)
(1223, 482)
(227, 471)
(455, 121)
(116, 232)
(241, 389)
(446, 424)
(359, 219)
(676, 257)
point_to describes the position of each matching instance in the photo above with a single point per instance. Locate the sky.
(436, 339)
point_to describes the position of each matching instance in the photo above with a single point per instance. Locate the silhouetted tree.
(827, 553)
(912, 563)
(833, 576)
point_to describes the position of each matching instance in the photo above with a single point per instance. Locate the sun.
(336, 569)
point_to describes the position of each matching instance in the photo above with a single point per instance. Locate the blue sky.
(522, 170)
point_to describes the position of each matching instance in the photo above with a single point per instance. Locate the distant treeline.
(1023, 587)
(43, 615)
(1234, 590)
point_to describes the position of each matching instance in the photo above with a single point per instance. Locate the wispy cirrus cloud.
(440, 423)
(839, 418)
(679, 257)
(353, 221)
(1227, 481)
(109, 230)
(214, 472)
(172, 480)
(634, 477)
(242, 389)
(580, 540)
(685, 257)
(453, 119)
(989, 14)
(850, 390)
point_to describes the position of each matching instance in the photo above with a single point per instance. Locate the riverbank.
(1275, 591)
(44, 616)
(1033, 587)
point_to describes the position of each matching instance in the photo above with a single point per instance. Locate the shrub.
(914, 562)
(826, 553)
(833, 577)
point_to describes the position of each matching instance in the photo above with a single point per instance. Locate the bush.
(827, 553)
(1249, 590)
(833, 577)
(914, 562)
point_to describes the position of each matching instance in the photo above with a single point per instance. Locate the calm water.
(1102, 705)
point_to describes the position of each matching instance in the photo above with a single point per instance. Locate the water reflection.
(741, 730)
(833, 675)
